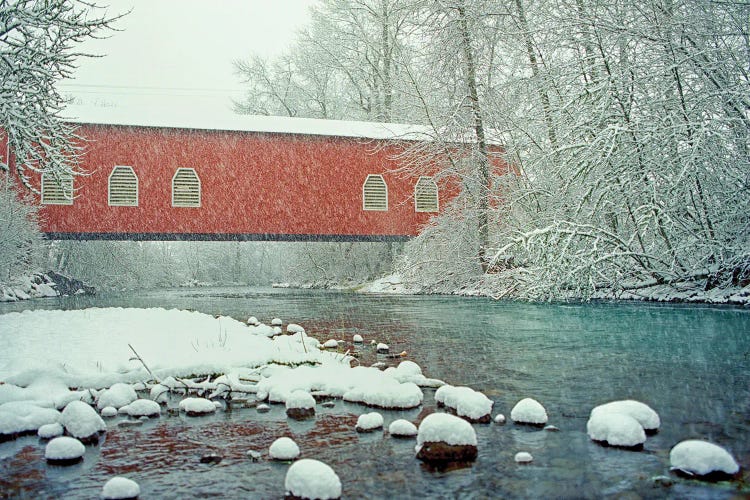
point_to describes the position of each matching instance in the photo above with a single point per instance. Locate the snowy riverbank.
(40, 285)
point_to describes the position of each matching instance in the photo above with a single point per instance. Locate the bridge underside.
(223, 237)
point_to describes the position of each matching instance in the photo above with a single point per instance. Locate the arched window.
(123, 187)
(426, 195)
(57, 189)
(374, 193)
(186, 188)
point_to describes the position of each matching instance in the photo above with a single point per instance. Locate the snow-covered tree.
(21, 245)
(37, 50)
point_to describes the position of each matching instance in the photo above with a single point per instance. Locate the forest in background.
(626, 123)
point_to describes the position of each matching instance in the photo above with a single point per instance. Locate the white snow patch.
(308, 478)
(369, 421)
(21, 417)
(284, 448)
(446, 428)
(402, 428)
(615, 429)
(523, 457)
(81, 420)
(643, 413)
(529, 411)
(700, 458)
(119, 488)
(64, 448)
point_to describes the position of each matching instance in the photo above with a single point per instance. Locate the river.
(690, 363)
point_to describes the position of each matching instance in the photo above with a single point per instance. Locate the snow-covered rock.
(615, 429)
(308, 478)
(276, 322)
(643, 413)
(383, 348)
(702, 459)
(357, 338)
(144, 408)
(109, 411)
(387, 394)
(49, 431)
(500, 419)
(402, 428)
(253, 321)
(445, 438)
(523, 457)
(82, 422)
(21, 417)
(466, 402)
(331, 344)
(300, 405)
(118, 396)
(294, 328)
(120, 488)
(64, 450)
(159, 393)
(369, 422)
(529, 411)
(284, 448)
(195, 407)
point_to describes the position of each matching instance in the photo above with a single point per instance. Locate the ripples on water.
(691, 363)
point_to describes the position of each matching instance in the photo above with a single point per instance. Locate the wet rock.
(551, 428)
(69, 286)
(211, 458)
(328, 404)
(663, 481)
(300, 413)
(263, 408)
(443, 452)
(254, 455)
(129, 423)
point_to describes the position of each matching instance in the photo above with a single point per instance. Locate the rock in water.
(446, 438)
(120, 488)
(300, 405)
(283, 448)
(64, 451)
(369, 422)
(82, 422)
(529, 411)
(702, 460)
(310, 479)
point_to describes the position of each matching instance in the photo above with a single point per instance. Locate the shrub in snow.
(331, 344)
(402, 428)
(120, 488)
(703, 460)
(357, 339)
(283, 448)
(530, 412)
(300, 405)
(309, 478)
(523, 457)
(49, 431)
(64, 451)
(466, 403)
(81, 421)
(616, 429)
(383, 348)
(144, 408)
(109, 411)
(195, 407)
(446, 438)
(369, 422)
(294, 328)
(118, 395)
(643, 413)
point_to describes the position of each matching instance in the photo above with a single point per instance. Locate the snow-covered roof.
(189, 117)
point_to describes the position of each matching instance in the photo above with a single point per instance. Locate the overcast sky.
(181, 51)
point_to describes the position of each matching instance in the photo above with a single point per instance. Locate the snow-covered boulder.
(523, 457)
(159, 393)
(357, 339)
(369, 422)
(500, 419)
(120, 488)
(466, 403)
(383, 348)
(294, 328)
(110, 411)
(643, 413)
(82, 422)
(402, 428)
(64, 451)
(253, 321)
(276, 322)
(283, 448)
(331, 344)
(616, 429)
(308, 478)
(388, 394)
(20, 417)
(300, 405)
(529, 411)
(195, 407)
(446, 438)
(49, 431)
(703, 460)
(144, 408)
(118, 395)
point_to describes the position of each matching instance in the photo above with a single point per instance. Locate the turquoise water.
(690, 363)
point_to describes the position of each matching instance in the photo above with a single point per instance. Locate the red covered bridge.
(239, 178)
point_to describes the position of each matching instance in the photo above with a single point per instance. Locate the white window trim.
(378, 176)
(437, 194)
(109, 187)
(66, 201)
(200, 188)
